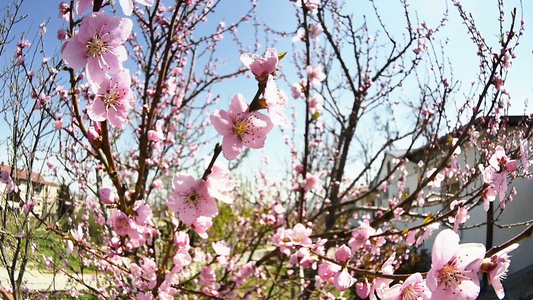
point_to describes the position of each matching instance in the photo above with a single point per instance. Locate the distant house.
(519, 283)
(32, 186)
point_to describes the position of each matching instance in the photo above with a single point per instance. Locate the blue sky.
(279, 14)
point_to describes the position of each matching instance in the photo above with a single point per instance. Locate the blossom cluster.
(496, 173)
(99, 48)
(243, 125)
(193, 200)
(455, 267)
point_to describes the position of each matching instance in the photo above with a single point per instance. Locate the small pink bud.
(343, 254)
(94, 137)
(107, 196)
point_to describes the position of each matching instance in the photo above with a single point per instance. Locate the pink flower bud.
(61, 34)
(362, 289)
(107, 196)
(94, 137)
(343, 254)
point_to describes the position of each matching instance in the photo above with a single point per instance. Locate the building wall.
(44, 195)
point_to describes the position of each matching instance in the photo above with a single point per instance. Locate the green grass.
(51, 245)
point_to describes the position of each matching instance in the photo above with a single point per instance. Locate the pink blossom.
(148, 268)
(5, 177)
(77, 234)
(182, 240)
(496, 267)
(315, 31)
(315, 75)
(42, 28)
(28, 206)
(499, 184)
(461, 216)
(145, 296)
(82, 6)
(454, 267)
(64, 11)
(490, 193)
(315, 105)
(123, 225)
(219, 182)
(311, 5)
(127, 5)
(143, 213)
(310, 182)
(42, 101)
(507, 59)
(107, 196)
(300, 35)
(411, 237)
(319, 246)
(302, 257)
(221, 248)
(296, 90)
(207, 276)
(94, 134)
(343, 280)
(113, 101)
(61, 34)
(427, 232)
(436, 180)
(58, 124)
(201, 225)
(190, 199)
(381, 284)
(496, 176)
(500, 162)
(240, 127)
(421, 46)
(363, 288)
(360, 236)
(398, 212)
(245, 272)
(157, 184)
(181, 259)
(70, 247)
(262, 67)
(499, 84)
(299, 235)
(157, 134)
(343, 254)
(327, 270)
(276, 101)
(281, 240)
(98, 46)
(414, 287)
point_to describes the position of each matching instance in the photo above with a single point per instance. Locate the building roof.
(25, 175)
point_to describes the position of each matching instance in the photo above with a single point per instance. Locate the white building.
(30, 186)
